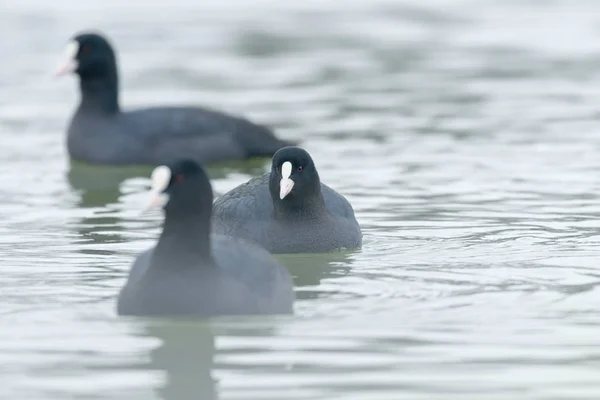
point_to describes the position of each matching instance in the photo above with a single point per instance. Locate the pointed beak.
(157, 200)
(66, 67)
(69, 63)
(285, 187)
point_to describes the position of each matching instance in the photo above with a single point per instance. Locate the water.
(465, 133)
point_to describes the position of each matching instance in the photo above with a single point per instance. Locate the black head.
(294, 180)
(91, 56)
(182, 188)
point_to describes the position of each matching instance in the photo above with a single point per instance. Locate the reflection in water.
(309, 270)
(99, 190)
(99, 185)
(186, 355)
(187, 352)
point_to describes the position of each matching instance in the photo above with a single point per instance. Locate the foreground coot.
(289, 210)
(190, 271)
(100, 133)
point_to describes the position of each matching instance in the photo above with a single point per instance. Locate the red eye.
(85, 49)
(299, 169)
(179, 178)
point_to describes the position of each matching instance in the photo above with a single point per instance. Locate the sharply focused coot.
(190, 271)
(288, 210)
(100, 133)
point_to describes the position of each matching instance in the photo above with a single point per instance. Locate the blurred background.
(465, 134)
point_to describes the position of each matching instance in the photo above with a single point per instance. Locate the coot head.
(182, 188)
(89, 55)
(294, 176)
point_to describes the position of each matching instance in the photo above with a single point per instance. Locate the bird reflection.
(186, 354)
(99, 191)
(99, 185)
(310, 269)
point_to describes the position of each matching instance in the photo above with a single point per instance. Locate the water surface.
(465, 133)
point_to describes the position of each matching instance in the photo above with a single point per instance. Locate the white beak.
(66, 68)
(160, 180)
(286, 184)
(69, 64)
(285, 187)
(157, 200)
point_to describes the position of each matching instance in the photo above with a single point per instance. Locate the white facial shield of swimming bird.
(161, 176)
(286, 184)
(69, 63)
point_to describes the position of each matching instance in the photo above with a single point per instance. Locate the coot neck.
(184, 241)
(100, 94)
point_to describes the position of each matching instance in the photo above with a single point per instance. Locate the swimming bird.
(101, 133)
(289, 210)
(190, 271)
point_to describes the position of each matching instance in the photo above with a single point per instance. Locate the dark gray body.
(155, 136)
(246, 280)
(247, 212)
